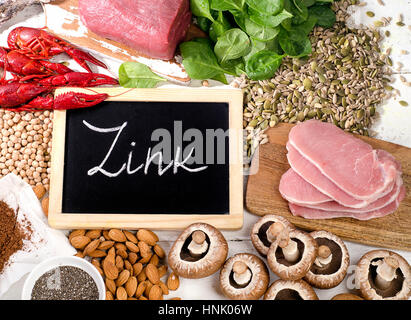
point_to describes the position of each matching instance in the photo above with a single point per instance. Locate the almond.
(132, 247)
(109, 295)
(152, 273)
(154, 260)
(162, 271)
(147, 236)
(137, 267)
(173, 282)
(93, 234)
(164, 288)
(130, 236)
(159, 251)
(146, 259)
(97, 254)
(100, 271)
(105, 235)
(39, 191)
(122, 253)
(80, 242)
(122, 278)
(120, 246)
(45, 206)
(148, 288)
(111, 255)
(110, 270)
(107, 244)
(155, 293)
(79, 254)
(142, 298)
(176, 298)
(119, 263)
(131, 286)
(140, 289)
(117, 235)
(144, 248)
(128, 266)
(132, 257)
(75, 233)
(95, 262)
(91, 247)
(111, 285)
(142, 275)
(121, 293)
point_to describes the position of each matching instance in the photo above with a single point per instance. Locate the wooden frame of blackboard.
(232, 220)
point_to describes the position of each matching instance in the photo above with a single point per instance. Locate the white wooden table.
(393, 125)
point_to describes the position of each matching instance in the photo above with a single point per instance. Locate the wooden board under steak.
(263, 197)
(64, 21)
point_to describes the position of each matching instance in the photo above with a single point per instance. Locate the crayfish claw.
(82, 57)
(76, 100)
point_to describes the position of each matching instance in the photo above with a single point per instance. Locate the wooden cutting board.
(263, 197)
(62, 19)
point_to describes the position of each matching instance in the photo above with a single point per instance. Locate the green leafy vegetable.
(219, 26)
(309, 3)
(227, 5)
(263, 65)
(270, 21)
(199, 59)
(201, 8)
(235, 66)
(260, 32)
(267, 7)
(203, 23)
(232, 44)
(294, 44)
(325, 16)
(299, 11)
(305, 27)
(137, 75)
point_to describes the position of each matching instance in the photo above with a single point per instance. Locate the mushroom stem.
(242, 274)
(386, 272)
(198, 245)
(289, 247)
(324, 256)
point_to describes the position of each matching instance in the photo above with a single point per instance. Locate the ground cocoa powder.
(12, 234)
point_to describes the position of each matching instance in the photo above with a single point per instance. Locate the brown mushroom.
(383, 275)
(198, 252)
(244, 277)
(331, 265)
(261, 234)
(292, 254)
(346, 296)
(290, 290)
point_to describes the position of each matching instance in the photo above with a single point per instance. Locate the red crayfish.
(39, 44)
(34, 78)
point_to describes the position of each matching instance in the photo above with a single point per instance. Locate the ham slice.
(351, 164)
(295, 189)
(310, 213)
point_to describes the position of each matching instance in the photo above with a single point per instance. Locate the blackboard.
(106, 171)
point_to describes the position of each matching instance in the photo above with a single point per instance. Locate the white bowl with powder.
(61, 262)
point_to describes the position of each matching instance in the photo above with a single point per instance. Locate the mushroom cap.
(304, 290)
(346, 296)
(293, 271)
(335, 272)
(258, 284)
(205, 265)
(258, 233)
(368, 289)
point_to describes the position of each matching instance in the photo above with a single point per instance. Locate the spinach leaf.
(305, 27)
(299, 11)
(234, 67)
(286, 23)
(137, 75)
(239, 18)
(201, 8)
(233, 44)
(262, 65)
(267, 7)
(325, 15)
(226, 5)
(199, 59)
(294, 44)
(260, 32)
(220, 77)
(219, 26)
(309, 3)
(270, 21)
(203, 23)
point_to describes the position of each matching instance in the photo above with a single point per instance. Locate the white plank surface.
(393, 125)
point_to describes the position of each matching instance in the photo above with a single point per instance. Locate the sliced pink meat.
(377, 204)
(153, 28)
(351, 164)
(309, 213)
(313, 176)
(295, 189)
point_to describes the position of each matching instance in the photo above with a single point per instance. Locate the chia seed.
(65, 283)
